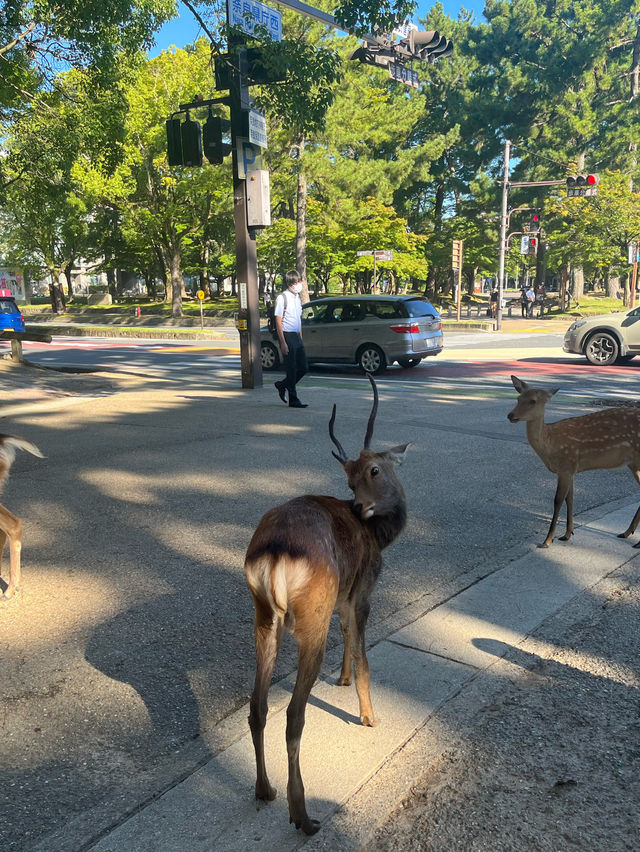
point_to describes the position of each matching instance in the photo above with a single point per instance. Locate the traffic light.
(174, 142)
(427, 46)
(191, 136)
(533, 245)
(215, 150)
(534, 222)
(371, 54)
(582, 185)
(259, 65)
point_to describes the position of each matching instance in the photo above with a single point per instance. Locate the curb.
(155, 332)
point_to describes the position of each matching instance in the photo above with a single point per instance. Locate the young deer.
(10, 526)
(599, 441)
(308, 558)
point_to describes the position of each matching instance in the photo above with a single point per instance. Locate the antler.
(342, 458)
(372, 416)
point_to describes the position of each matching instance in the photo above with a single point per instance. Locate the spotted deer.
(10, 525)
(308, 558)
(599, 441)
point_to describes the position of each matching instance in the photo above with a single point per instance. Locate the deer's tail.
(276, 580)
(10, 443)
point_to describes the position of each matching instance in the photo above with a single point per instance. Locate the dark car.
(372, 331)
(10, 316)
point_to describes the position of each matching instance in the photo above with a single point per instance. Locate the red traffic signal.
(534, 222)
(582, 185)
(533, 245)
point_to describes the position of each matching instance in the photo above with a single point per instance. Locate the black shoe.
(295, 403)
(281, 390)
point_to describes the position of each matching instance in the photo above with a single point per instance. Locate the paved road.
(132, 638)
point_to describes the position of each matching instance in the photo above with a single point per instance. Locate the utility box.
(258, 199)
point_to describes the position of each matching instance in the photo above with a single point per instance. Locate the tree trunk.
(301, 225)
(111, 281)
(177, 282)
(578, 283)
(67, 275)
(57, 296)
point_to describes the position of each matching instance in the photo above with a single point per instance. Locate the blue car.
(10, 316)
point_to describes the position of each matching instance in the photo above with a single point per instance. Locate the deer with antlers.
(599, 441)
(10, 525)
(309, 558)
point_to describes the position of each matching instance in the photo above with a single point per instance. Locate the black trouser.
(295, 362)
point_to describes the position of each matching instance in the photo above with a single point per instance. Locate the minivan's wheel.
(372, 359)
(602, 349)
(269, 356)
(409, 362)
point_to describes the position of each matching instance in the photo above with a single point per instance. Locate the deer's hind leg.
(11, 529)
(636, 518)
(312, 617)
(268, 633)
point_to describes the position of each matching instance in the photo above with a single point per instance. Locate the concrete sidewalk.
(449, 652)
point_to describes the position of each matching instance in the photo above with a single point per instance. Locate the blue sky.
(184, 29)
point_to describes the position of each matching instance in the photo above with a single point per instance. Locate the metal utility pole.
(246, 253)
(503, 231)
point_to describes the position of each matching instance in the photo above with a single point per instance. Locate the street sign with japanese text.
(384, 254)
(257, 128)
(400, 72)
(246, 15)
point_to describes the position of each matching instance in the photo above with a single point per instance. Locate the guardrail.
(16, 338)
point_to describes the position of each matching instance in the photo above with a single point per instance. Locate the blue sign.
(246, 15)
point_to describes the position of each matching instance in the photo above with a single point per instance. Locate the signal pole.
(503, 232)
(246, 252)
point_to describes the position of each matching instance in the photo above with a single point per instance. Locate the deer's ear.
(396, 454)
(519, 385)
(553, 391)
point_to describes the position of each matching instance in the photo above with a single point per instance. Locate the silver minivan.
(372, 331)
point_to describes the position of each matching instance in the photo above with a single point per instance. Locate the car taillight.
(411, 328)
(21, 318)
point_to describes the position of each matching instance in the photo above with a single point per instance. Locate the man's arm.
(283, 346)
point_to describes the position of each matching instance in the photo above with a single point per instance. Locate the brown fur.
(308, 558)
(600, 441)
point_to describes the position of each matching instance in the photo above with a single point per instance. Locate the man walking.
(288, 316)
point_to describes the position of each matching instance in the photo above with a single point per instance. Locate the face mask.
(296, 288)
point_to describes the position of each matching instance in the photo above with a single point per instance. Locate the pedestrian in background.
(531, 300)
(493, 302)
(288, 317)
(523, 300)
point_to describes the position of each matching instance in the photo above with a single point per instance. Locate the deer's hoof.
(637, 545)
(624, 535)
(544, 544)
(344, 681)
(309, 826)
(266, 794)
(369, 721)
(565, 537)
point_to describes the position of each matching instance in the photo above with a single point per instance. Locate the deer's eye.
(532, 402)
(375, 471)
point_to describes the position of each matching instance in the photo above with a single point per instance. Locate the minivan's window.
(420, 308)
(8, 307)
(348, 312)
(384, 310)
(315, 313)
